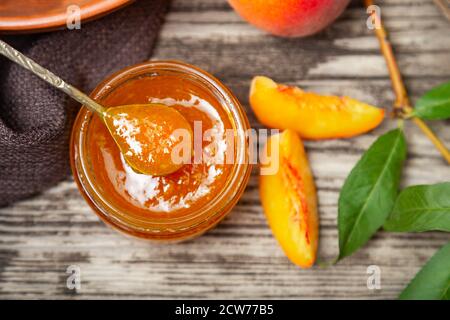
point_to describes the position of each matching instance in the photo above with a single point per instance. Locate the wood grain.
(41, 236)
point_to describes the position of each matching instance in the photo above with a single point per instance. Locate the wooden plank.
(41, 236)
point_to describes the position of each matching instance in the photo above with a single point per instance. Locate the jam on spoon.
(144, 133)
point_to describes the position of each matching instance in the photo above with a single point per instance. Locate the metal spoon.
(143, 132)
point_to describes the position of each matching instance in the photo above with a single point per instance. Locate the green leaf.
(435, 104)
(369, 192)
(421, 208)
(433, 280)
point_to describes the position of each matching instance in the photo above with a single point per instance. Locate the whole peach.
(290, 18)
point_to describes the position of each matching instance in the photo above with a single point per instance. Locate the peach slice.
(311, 115)
(288, 196)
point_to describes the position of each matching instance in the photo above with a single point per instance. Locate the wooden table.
(42, 236)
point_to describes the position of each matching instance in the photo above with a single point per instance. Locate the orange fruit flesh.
(288, 196)
(311, 115)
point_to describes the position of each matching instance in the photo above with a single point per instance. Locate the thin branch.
(402, 103)
(436, 141)
(443, 6)
(402, 99)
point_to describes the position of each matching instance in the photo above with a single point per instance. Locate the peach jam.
(181, 204)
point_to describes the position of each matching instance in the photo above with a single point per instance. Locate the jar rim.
(219, 205)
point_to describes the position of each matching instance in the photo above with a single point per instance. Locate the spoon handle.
(55, 81)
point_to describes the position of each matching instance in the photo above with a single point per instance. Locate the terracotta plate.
(42, 15)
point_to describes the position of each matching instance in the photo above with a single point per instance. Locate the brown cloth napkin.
(35, 119)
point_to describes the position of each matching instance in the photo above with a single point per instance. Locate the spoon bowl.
(154, 139)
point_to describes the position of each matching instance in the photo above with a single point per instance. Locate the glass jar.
(160, 226)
